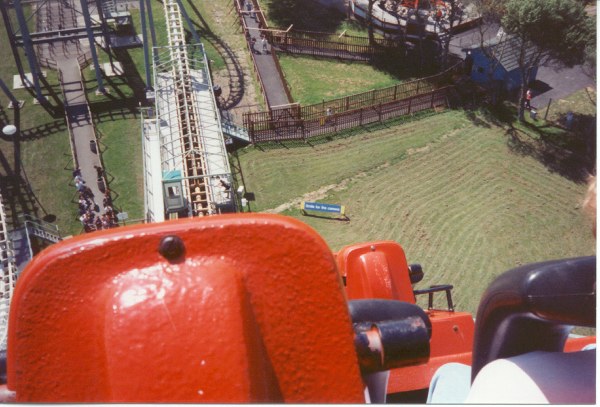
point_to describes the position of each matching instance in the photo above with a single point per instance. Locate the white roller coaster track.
(9, 276)
(187, 124)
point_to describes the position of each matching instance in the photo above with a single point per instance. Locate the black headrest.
(534, 307)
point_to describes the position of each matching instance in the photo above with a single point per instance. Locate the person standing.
(265, 45)
(528, 96)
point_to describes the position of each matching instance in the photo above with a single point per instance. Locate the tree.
(547, 30)
(590, 51)
(453, 13)
(370, 25)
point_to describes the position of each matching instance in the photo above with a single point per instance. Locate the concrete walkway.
(273, 82)
(80, 123)
(63, 14)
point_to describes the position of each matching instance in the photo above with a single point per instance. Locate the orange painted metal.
(375, 270)
(575, 344)
(254, 311)
(380, 270)
(451, 341)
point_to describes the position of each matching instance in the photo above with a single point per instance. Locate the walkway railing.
(288, 124)
(232, 130)
(329, 45)
(41, 229)
(71, 137)
(302, 122)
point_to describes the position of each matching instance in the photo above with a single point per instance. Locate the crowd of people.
(90, 216)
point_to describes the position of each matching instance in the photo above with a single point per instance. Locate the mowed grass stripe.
(273, 170)
(457, 234)
(465, 206)
(432, 182)
(458, 256)
(461, 262)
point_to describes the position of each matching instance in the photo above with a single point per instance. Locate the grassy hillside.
(313, 79)
(449, 188)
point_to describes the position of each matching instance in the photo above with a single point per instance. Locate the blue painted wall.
(482, 64)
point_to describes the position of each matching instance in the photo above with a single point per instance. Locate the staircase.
(232, 130)
(109, 7)
(40, 229)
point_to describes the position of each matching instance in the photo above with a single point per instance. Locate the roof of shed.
(505, 48)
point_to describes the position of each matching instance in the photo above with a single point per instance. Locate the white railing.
(8, 270)
(188, 122)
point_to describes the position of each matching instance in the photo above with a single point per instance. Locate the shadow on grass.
(115, 110)
(235, 71)
(570, 153)
(132, 76)
(14, 184)
(127, 91)
(305, 15)
(312, 215)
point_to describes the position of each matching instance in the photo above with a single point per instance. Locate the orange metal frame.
(231, 308)
(380, 270)
(251, 310)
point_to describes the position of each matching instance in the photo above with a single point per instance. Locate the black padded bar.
(389, 334)
(534, 307)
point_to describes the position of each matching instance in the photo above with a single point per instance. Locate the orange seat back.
(375, 270)
(247, 308)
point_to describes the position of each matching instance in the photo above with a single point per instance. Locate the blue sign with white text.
(322, 207)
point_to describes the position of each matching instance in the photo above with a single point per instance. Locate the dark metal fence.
(297, 122)
(292, 124)
(328, 45)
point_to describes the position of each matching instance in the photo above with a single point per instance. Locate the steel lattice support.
(90, 36)
(8, 270)
(28, 45)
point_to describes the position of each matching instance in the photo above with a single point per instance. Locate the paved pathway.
(80, 123)
(273, 82)
(63, 14)
(557, 83)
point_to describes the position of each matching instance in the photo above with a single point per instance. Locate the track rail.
(195, 170)
(8, 270)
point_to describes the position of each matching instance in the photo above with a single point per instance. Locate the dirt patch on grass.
(322, 192)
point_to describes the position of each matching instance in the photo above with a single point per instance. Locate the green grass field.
(447, 187)
(312, 79)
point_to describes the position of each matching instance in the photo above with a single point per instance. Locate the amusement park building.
(497, 61)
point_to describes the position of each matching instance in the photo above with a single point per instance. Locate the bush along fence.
(295, 122)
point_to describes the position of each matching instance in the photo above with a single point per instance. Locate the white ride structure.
(8, 269)
(186, 167)
(433, 16)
